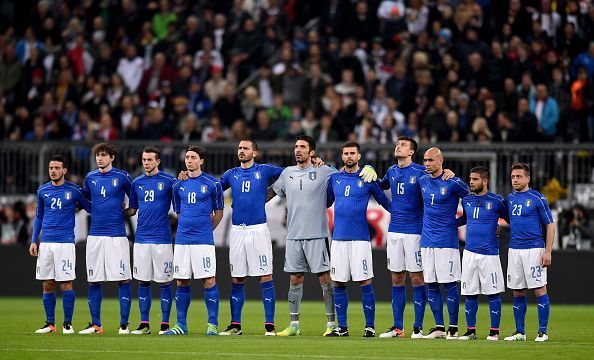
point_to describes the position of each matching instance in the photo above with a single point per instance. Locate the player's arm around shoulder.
(278, 187)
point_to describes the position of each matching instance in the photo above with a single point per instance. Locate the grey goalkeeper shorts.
(311, 255)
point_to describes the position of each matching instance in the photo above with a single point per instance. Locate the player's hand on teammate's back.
(498, 230)
(368, 174)
(545, 260)
(317, 161)
(33, 249)
(183, 175)
(448, 174)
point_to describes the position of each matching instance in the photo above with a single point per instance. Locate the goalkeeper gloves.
(368, 174)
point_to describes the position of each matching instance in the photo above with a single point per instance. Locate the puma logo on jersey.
(46, 195)
(140, 187)
(94, 182)
(182, 189)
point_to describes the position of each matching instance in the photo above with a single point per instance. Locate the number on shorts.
(206, 262)
(168, 267)
(347, 190)
(517, 210)
(263, 260)
(494, 278)
(103, 192)
(66, 264)
(364, 262)
(475, 213)
(191, 198)
(536, 271)
(400, 189)
(149, 195)
(418, 257)
(122, 267)
(451, 267)
(56, 203)
(432, 198)
(245, 186)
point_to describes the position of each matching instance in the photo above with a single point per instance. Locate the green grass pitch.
(570, 331)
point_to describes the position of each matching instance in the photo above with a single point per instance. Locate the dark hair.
(482, 171)
(104, 147)
(350, 144)
(521, 166)
(198, 150)
(254, 144)
(413, 143)
(310, 141)
(154, 150)
(60, 158)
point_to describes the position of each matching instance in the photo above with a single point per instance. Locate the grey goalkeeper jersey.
(305, 190)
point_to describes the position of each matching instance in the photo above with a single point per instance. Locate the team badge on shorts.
(312, 175)
(443, 190)
(489, 205)
(412, 180)
(360, 183)
(203, 188)
(161, 186)
(528, 202)
(257, 175)
(114, 182)
(68, 195)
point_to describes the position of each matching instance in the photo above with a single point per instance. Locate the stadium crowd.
(439, 71)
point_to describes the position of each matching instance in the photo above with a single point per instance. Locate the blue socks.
(182, 303)
(125, 295)
(211, 298)
(471, 308)
(368, 300)
(520, 313)
(453, 302)
(68, 305)
(166, 302)
(495, 310)
(145, 299)
(49, 304)
(435, 303)
(341, 304)
(269, 300)
(544, 307)
(398, 303)
(95, 298)
(420, 300)
(236, 302)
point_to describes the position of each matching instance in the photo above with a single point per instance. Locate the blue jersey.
(351, 196)
(107, 192)
(56, 206)
(407, 202)
(481, 215)
(440, 203)
(528, 214)
(248, 191)
(194, 200)
(152, 196)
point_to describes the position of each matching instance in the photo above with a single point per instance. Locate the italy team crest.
(257, 175)
(489, 205)
(68, 195)
(114, 182)
(528, 202)
(412, 180)
(312, 175)
(443, 190)
(161, 186)
(360, 183)
(204, 188)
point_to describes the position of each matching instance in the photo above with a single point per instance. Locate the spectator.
(215, 87)
(228, 107)
(546, 111)
(480, 132)
(325, 132)
(163, 19)
(525, 122)
(131, 68)
(264, 129)
(214, 131)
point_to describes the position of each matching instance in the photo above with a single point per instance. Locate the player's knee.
(365, 282)
(297, 278)
(144, 284)
(266, 278)
(398, 278)
(49, 286)
(209, 282)
(183, 282)
(66, 285)
(324, 277)
(338, 284)
(238, 281)
(540, 291)
(520, 293)
(417, 279)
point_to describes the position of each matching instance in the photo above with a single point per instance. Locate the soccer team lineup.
(422, 241)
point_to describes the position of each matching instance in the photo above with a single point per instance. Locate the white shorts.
(108, 258)
(250, 250)
(440, 265)
(524, 270)
(481, 274)
(153, 262)
(197, 260)
(351, 260)
(56, 261)
(404, 252)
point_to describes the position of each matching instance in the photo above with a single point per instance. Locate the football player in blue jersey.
(530, 247)
(481, 268)
(439, 242)
(108, 249)
(199, 203)
(350, 252)
(151, 197)
(56, 256)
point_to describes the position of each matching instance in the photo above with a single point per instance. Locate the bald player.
(439, 242)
